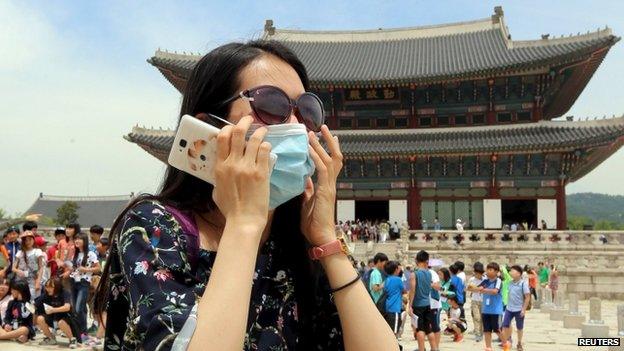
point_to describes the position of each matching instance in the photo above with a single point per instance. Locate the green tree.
(67, 213)
(579, 222)
(3, 214)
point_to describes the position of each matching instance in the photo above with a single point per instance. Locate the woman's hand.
(242, 175)
(317, 212)
(37, 284)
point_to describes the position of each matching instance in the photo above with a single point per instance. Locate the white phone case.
(194, 149)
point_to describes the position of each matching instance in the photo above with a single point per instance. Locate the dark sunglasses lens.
(311, 111)
(271, 105)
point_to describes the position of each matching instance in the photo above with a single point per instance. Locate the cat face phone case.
(194, 149)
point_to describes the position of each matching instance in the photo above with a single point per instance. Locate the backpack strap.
(188, 225)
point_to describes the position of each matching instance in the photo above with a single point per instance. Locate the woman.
(85, 263)
(29, 263)
(154, 273)
(553, 282)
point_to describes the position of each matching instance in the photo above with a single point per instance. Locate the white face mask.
(294, 164)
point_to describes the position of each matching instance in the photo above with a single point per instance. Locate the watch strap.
(331, 248)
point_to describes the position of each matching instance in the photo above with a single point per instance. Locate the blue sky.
(75, 79)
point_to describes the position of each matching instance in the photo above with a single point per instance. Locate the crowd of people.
(432, 297)
(367, 230)
(47, 287)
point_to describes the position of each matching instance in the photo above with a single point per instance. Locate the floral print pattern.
(154, 286)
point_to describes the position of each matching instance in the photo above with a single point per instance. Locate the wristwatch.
(331, 248)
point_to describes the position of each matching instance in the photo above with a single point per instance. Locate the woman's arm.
(363, 328)
(65, 308)
(223, 309)
(242, 195)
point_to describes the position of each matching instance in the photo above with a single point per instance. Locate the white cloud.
(25, 36)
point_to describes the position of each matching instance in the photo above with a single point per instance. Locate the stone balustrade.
(540, 240)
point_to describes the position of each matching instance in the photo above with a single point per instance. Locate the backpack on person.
(381, 303)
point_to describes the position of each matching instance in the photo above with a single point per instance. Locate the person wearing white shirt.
(476, 299)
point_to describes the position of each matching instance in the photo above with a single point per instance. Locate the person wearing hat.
(29, 263)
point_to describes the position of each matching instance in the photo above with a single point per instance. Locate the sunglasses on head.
(273, 106)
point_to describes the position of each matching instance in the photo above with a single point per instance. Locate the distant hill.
(597, 207)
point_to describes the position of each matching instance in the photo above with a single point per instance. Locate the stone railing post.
(573, 319)
(547, 303)
(595, 327)
(537, 303)
(620, 332)
(558, 310)
(531, 237)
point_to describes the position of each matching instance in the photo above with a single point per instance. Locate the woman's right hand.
(242, 175)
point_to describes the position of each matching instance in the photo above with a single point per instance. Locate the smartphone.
(194, 149)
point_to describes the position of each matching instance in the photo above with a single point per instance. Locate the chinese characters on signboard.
(371, 94)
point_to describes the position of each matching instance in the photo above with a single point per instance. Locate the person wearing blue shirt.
(12, 246)
(517, 304)
(394, 289)
(492, 305)
(375, 283)
(458, 283)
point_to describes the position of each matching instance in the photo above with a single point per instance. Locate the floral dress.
(158, 273)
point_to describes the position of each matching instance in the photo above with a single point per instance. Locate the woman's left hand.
(317, 212)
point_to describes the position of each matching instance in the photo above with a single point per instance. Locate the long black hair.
(213, 80)
(84, 249)
(21, 285)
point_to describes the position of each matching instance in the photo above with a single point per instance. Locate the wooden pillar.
(562, 218)
(494, 193)
(413, 208)
(491, 115)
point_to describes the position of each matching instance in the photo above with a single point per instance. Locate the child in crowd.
(456, 280)
(476, 299)
(394, 289)
(53, 252)
(447, 289)
(29, 264)
(492, 305)
(455, 323)
(67, 248)
(5, 297)
(95, 232)
(54, 309)
(85, 263)
(421, 285)
(517, 304)
(18, 319)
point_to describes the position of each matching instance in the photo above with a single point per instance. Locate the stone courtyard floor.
(540, 333)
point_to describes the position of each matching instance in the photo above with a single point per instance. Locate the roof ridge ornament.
(269, 28)
(498, 14)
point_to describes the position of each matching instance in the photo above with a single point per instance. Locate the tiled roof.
(100, 210)
(512, 138)
(414, 55)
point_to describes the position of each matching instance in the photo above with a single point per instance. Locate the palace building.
(446, 121)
